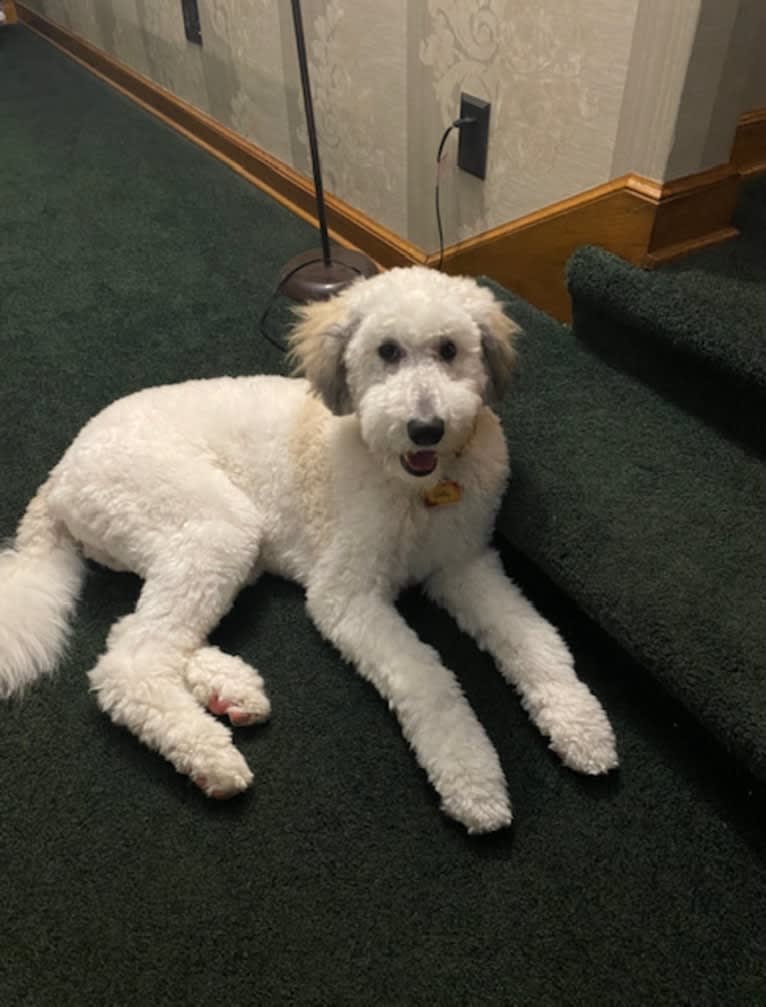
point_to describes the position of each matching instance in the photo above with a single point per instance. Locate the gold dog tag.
(445, 492)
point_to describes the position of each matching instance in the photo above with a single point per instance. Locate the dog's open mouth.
(420, 463)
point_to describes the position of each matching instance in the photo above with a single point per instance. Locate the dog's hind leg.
(141, 680)
(157, 506)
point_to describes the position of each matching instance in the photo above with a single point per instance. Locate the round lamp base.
(307, 278)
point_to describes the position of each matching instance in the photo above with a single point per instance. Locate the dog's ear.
(317, 345)
(498, 334)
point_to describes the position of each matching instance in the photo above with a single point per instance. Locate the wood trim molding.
(643, 221)
(748, 154)
(692, 213)
(347, 225)
(529, 255)
(11, 16)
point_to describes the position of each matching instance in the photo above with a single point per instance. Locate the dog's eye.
(447, 350)
(390, 352)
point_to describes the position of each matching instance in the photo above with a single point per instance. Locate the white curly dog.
(385, 468)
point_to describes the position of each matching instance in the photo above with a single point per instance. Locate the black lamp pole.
(308, 103)
(320, 273)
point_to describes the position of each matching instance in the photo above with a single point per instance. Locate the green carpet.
(650, 521)
(709, 307)
(128, 257)
(694, 330)
(651, 504)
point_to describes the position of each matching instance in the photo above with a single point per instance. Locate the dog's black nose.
(426, 434)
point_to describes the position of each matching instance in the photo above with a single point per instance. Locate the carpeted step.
(694, 331)
(652, 523)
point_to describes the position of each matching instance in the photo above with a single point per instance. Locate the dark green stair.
(651, 520)
(694, 331)
(640, 484)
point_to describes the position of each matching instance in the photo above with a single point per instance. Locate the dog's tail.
(40, 578)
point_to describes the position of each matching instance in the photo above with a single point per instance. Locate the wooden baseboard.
(529, 255)
(643, 221)
(692, 213)
(748, 154)
(347, 225)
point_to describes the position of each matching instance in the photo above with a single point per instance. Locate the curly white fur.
(40, 580)
(199, 487)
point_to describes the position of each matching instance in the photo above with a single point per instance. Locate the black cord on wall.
(457, 124)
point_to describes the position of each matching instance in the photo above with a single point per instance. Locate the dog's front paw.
(479, 809)
(579, 730)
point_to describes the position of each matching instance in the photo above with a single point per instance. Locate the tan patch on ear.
(317, 346)
(499, 334)
(505, 331)
(307, 339)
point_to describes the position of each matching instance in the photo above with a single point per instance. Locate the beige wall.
(358, 57)
(662, 44)
(580, 92)
(755, 87)
(246, 76)
(554, 71)
(713, 87)
(694, 67)
(754, 84)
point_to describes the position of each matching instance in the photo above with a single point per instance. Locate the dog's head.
(415, 354)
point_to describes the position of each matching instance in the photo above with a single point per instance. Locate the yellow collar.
(445, 492)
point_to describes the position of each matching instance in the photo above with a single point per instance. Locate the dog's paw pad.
(241, 713)
(215, 794)
(218, 706)
(227, 687)
(244, 718)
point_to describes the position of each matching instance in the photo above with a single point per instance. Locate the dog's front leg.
(532, 656)
(435, 716)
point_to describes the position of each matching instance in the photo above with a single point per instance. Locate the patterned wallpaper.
(358, 56)
(386, 76)
(553, 70)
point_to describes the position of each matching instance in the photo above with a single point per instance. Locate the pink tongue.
(421, 461)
